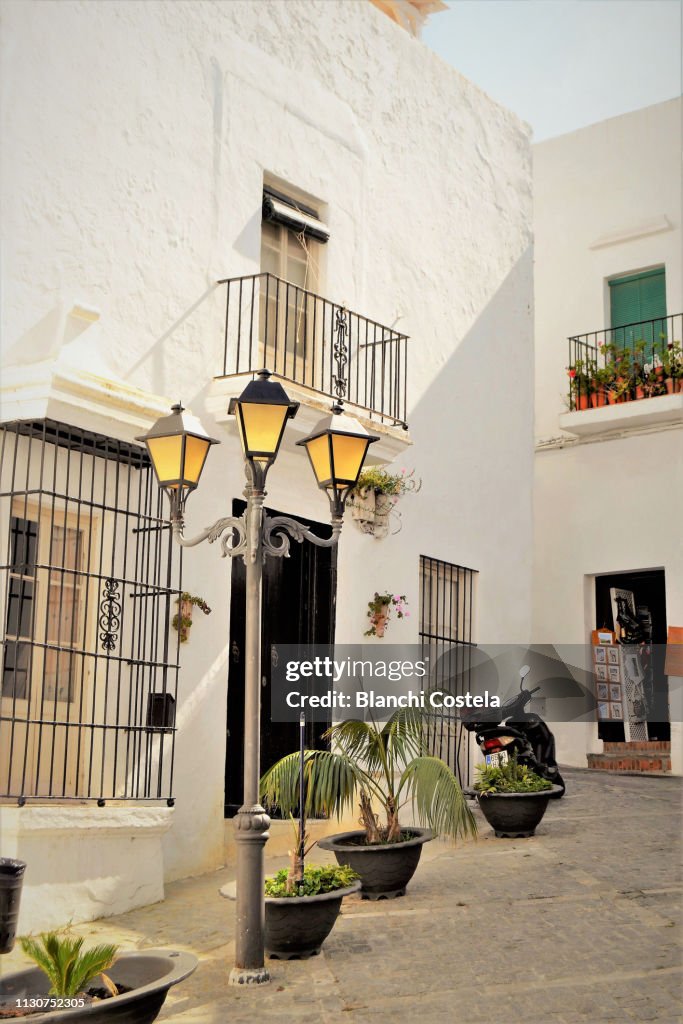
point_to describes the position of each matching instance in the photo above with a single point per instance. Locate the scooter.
(515, 733)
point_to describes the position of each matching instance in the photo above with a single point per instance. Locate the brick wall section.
(663, 745)
(638, 756)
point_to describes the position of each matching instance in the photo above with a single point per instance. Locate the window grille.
(89, 581)
(447, 597)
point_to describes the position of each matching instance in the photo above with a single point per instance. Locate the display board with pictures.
(607, 673)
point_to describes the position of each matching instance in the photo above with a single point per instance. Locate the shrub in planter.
(301, 912)
(390, 764)
(512, 798)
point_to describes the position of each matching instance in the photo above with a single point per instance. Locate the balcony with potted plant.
(625, 378)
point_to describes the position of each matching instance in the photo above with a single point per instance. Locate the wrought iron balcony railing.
(623, 364)
(308, 340)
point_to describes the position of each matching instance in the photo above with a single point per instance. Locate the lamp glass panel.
(348, 453)
(319, 452)
(166, 455)
(195, 454)
(262, 426)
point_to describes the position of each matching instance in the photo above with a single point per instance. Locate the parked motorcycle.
(509, 731)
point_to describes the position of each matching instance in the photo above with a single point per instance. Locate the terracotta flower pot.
(640, 392)
(581, 402)
(379, 621)
(599, 398)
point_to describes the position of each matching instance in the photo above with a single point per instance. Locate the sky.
(564, 64)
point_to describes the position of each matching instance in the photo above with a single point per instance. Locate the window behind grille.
(88, 590)
(447, 602)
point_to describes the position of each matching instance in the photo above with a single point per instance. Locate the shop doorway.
(649, 593)
(299, 596)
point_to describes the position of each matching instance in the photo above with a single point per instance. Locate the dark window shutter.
(634, 300)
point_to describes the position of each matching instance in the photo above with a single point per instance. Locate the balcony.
(320, 350)
(626, 377)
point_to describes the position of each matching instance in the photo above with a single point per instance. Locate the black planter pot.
(384, 869)
(149, 973)
(297, 926)
(515, 815)
(11, 881)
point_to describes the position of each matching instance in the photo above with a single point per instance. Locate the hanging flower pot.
(379, 622)
(375, 496)
(363, 504)
(379, 610)
(182, 620)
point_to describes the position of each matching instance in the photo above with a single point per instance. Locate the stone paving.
(579, 924)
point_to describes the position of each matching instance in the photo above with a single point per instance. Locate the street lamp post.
(178, 446)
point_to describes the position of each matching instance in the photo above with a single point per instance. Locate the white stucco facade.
(608, 482)
(136, 140)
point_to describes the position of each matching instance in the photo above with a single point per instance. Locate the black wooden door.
(298, 607)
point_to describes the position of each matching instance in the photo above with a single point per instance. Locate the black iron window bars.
(89, 586)
(447, 596)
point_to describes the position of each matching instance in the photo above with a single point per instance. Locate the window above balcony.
(320, 350)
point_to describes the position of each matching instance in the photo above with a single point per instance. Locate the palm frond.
(359, 741)
(330, 781)
(67, 969)
(439, 800)
(89, 964)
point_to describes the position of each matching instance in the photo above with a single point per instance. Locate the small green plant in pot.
(304, 901)
(512, 798)
(69, 967)
(182, 620)
(379, 611)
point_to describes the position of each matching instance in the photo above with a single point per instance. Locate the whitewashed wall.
(136, 140)
(611, 505)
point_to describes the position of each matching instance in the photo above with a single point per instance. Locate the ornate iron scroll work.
(341, 353)
(110, 615)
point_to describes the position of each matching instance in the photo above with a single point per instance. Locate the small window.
(291, 239)
(638, 307)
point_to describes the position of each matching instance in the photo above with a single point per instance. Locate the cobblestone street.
(579, 924)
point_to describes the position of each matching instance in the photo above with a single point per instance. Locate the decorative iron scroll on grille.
(341, 353)
(110, 615)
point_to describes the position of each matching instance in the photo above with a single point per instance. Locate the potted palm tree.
(390, 765)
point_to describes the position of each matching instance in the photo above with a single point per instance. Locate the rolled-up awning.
(278, 209)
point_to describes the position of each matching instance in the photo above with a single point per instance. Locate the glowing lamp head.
(262, 411)
(337, 449)
(178, 446)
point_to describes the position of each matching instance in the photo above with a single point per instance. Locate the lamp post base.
(249, 976)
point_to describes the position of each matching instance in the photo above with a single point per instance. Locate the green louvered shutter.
(634, 300)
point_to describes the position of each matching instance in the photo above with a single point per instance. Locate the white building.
(138, 141)
(609, 479)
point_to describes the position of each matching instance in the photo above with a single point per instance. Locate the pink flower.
(572, 373)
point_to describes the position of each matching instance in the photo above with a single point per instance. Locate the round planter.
(515, 815)
(11, 881)
(297, 926)
(149, 973)
(386, 868)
